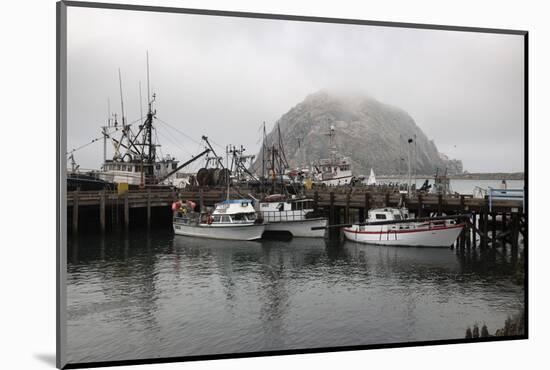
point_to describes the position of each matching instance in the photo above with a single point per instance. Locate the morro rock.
(373, 134)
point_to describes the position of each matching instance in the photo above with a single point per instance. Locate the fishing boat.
(289, 211)
(383, 228)
(335, 170)
(293, 215)
(136, 160)
(234, 219)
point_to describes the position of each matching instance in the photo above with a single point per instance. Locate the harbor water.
(148, 294)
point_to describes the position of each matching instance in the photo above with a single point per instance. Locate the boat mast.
(415, 162)
(125, 128)
(151, 152)
(273, 176)
(280, 153)
(104, 130)
(409, 166)
(121, 98)
(227, 172)
(140, 105)
(263, 162)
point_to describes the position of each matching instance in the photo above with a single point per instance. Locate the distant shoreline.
(468, 176)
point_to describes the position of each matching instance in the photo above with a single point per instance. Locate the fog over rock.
(373, 134)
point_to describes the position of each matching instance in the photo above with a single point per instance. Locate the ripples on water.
(153, 294)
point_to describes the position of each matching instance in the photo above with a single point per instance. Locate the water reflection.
(153, 294)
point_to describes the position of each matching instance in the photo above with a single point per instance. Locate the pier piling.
(102, 210)
(126, 211)
(148, 207)
(485, 237)
(419, 209)
(346, 208)
(75, 211)
(474, 230)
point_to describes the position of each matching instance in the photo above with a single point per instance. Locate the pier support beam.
(126, 211)
(515, 233)
(148, 207)
(485, 238)
(346, 209)
(474, 229)
(468, 230)
(332, 216)
(493, 229)
(367, 206)
(102, 210)
(75, 211)
(315, 200)
(462, 238)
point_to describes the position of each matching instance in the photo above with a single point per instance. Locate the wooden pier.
(495, 220)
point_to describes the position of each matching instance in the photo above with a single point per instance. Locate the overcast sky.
(223, 76)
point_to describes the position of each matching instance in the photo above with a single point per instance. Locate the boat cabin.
(388, 214)
(234, 211)
(276, 209)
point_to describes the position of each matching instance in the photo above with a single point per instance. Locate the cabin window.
(174, 166)
(137, 168)
(380, 216)
(166, 165)
(157, 166)
(296, 206)
(239, 217)
(280, 207)
(217, 218)
(251, 216)
(397, 217)
(226, 219)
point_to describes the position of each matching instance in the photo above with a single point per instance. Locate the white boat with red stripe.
(426, 233)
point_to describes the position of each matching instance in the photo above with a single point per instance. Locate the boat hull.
(231, 232)
(299, 229)
(340, 181)
(442, 237)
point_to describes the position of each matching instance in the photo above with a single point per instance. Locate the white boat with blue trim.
(234, 219)
(429, 233)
